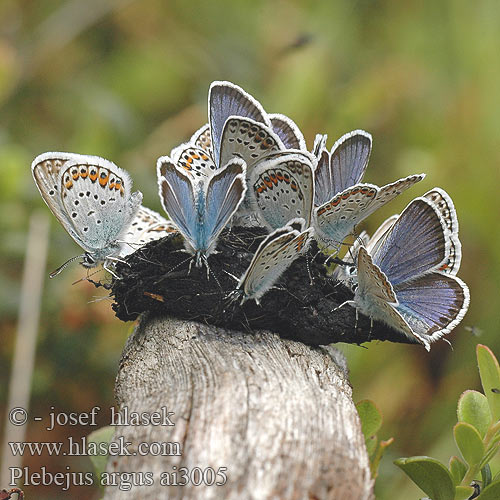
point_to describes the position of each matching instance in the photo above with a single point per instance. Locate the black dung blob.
(161, 279)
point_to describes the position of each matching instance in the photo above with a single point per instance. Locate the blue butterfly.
(403, 276)
(201, 206)
(342, 201)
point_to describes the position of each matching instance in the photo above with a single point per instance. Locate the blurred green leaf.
(490, 378)
(457, 469)
(102, 435)
(463, 492)
(469, 442)
(491, 492)
(371, 445)
(370, 416)
(430, 475)
(474, 409)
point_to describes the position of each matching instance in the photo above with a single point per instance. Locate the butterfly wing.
(334, 220)
(347, 163)
(446, 208)
(347, 273)
(195, 161)
(375, 296)
(415, 244)
(147, 226)
(224, 100)
(45, 170)
(247, 139)
(433, 304)
(96, 197)
(201, 139)
(283, 189)
(378, 236)
(337, 218)
(225, 192)
(274, 255)
(349, 159)
(288, 132)
(319, 144)
(177, 195)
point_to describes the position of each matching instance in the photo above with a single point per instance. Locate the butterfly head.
(89, 260)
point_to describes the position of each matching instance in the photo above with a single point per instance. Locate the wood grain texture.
(277, 413)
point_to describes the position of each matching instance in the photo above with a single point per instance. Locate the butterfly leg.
(346, 303)
(110, 271)
(116, 259)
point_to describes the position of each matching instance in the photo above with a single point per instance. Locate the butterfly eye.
(354, 287)
(351, 270)
(89, 259)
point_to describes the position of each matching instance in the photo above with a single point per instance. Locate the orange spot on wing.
(103, 180)
(94, 174)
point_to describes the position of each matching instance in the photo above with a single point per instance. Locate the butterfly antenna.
(53, 274)
(209, 272)
(86, 278)
(311, 279)
(190, 258)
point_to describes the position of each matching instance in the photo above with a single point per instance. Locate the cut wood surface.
(276, 414)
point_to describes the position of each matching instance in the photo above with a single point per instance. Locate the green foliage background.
(128, 80)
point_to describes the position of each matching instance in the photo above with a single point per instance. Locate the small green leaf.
(457, 469)
(370, 416)
(474, 409)
(469, 442)
(490, 378)
(102, 435)
(430, 475)
(486, 475)
(463, 492)
(491, 492)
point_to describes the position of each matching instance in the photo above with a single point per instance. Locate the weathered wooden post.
(268, 417)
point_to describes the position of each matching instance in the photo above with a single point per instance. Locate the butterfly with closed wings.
(92, 199)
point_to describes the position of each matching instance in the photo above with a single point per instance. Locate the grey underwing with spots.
(92, 198)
